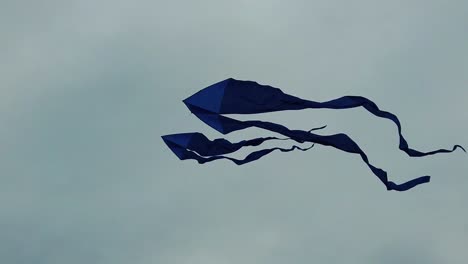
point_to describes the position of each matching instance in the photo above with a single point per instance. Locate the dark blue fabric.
(246, 97)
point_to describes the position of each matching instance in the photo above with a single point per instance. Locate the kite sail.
(247, 97)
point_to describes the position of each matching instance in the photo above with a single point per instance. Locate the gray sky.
(88, 87)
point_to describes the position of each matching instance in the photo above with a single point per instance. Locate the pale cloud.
(88, 88)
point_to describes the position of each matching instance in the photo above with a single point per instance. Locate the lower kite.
(247, 97)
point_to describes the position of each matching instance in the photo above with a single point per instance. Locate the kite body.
(247, 97)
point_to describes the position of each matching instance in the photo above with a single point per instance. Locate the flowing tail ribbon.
(247, 97)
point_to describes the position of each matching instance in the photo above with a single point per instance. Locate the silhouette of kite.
(247, 97)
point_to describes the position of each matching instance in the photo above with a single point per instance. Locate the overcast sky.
(88, 87)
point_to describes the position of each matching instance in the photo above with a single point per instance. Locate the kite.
(233, 96)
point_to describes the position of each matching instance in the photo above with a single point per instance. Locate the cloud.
(88, 88)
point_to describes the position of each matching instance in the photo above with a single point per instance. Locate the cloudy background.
(88, 87)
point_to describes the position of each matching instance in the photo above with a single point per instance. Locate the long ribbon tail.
(342, 142)
(359, 101)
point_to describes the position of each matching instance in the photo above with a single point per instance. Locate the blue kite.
(247, 97)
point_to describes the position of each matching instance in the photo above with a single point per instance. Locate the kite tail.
(185, 154)
(347, 102)
(354, 101)
(342, 142)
